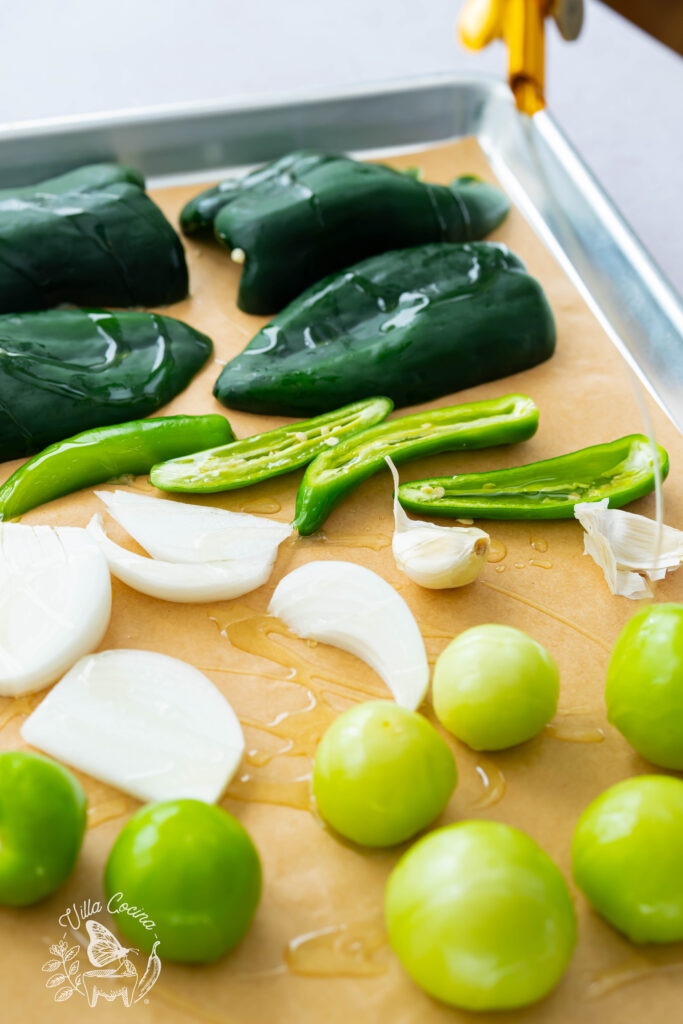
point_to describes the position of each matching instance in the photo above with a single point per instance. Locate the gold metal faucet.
(521, 25)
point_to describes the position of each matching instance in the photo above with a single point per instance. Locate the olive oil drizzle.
(17, 706)
(295, 793)
(606, 982)
(342, 950)
(548, 611)
(108, 810)
(493, 782)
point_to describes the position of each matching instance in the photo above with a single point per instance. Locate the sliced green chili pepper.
(270, 454)
(414, 325)
(63, 371)
(621, 470)
(91, 236)
(309, 214)
(98, 455)
(332, 475)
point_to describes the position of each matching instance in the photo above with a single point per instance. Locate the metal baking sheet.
(544, 176)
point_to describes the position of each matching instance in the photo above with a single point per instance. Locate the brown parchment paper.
(316, 952)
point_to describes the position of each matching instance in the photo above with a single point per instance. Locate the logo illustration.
(114, 975)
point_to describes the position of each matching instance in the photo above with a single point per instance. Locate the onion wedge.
(148, 724)
(347, 606)
(55, 603)
(186, 583)
(176, 531)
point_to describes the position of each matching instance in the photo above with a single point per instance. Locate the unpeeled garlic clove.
(436, 557)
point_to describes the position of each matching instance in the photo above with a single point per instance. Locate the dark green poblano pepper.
(63, 371)
(309, 214)
(91, 236)
(620, 470)
(198, 215)
(414, 325)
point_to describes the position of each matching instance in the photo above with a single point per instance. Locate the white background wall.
(617, 93)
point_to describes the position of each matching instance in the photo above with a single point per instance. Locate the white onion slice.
(55, 603)
(176, 531)
(187, 583)
(350, 607)
(150, 725)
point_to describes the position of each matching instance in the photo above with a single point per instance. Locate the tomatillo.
(382, 773)
(42, 821)
(495, 687)
(627, 853)
(644, 691)
(480, 916)
(193, 871)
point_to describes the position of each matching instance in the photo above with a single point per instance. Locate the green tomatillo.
(644, 691)
(627, 853)
(480, 916)
(495, 687)
(382, 773)
(42, 821)
(194, 873)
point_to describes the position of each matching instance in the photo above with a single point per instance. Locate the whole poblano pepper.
(309, 214)
(620, 470)
(91, 236)
(63, 371)
(198, 215)
(413, 324)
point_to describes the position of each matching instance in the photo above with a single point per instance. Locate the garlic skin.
(148, 724)
(632, 550)
(436, 557)
(350, 607)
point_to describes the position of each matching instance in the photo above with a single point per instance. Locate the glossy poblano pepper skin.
(64, 371)
(92, 236)
(104, 453)
(310, 214)
(414, 324)
(198, 215)
(272, 453)
(620, 470)
(335, 473)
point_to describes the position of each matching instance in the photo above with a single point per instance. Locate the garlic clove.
(55, 603)
(632, 550)
(348, 606)
(436, 557)
(178, 531)
(148, 724)
(182, 582)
